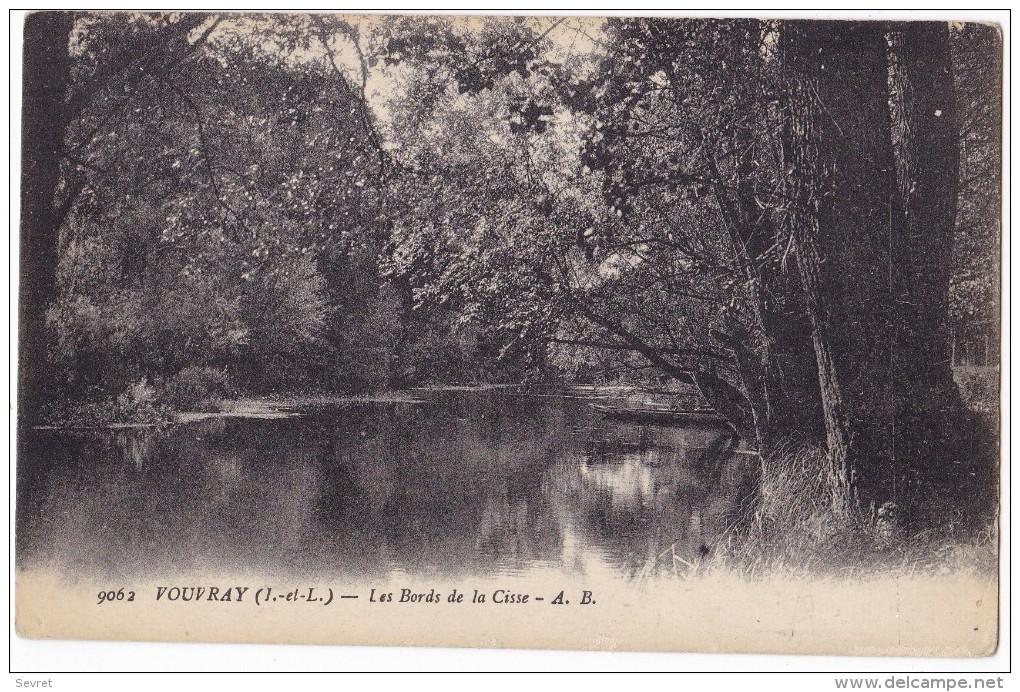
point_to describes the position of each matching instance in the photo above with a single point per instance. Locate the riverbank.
(143, 404)
(803, 520)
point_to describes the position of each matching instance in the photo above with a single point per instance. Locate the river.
(445, 483)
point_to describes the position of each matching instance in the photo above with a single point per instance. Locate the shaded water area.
(447, 483)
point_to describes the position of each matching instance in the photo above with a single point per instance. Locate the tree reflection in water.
(463, 483)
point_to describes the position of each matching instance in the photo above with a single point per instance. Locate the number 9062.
(118, 595)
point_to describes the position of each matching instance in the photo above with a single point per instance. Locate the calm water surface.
(457, 483)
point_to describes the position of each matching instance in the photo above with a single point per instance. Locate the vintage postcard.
(650, 334)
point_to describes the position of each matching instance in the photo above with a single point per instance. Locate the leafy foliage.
(275, 201)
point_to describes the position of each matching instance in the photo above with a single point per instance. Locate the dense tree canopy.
(737, 208)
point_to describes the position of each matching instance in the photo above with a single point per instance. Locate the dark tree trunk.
(926, 138)
(937, 442)
(842, 183)
(783, 368)
(771, 346)
(47, 75)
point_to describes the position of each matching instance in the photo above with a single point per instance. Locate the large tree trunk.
(937, 443)
(778, 367)
(926, 140)
(47, 75)
(842, 182)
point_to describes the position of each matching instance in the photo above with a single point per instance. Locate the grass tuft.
(805, 521)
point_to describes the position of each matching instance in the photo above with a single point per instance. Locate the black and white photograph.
(673, 334)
